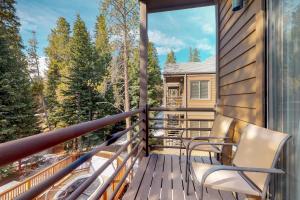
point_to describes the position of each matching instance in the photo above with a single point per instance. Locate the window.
(284, 90)
(199, 89)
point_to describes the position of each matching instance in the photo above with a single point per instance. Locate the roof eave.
(169, 5)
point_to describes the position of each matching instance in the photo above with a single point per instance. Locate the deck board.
(163, 177)
(178, 192)
(155, 189)
(167, 179)
(147, 179)
(192, 194)
(135, 184)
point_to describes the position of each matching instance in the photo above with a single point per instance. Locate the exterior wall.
(241, 63)
(191, 103)
(210, 103)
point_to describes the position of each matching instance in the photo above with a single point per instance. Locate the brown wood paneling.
(242, 114)
(241, 63)
(239, 15)
(239, 75)
(241, 48)
(237, 21)
(242, 87)
(243, 60)
(243, 101)
(224, 13)
(244, 32)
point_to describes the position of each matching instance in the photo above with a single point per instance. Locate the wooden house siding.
(200, 103)
(241, 63)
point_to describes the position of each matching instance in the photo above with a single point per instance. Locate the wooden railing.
(174, 102)
(113, 187)
(10, 152)
(25, 185)
(183, 131)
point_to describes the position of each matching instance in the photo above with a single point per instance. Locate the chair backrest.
(260, 148)
(220, 127)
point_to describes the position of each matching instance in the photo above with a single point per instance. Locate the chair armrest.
(245, 169)
(212, 143)
(205, 138)
(189, 151)
(240, 169)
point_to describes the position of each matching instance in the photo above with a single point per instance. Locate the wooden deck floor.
(162, 177)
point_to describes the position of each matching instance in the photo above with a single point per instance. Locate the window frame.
(208, 90)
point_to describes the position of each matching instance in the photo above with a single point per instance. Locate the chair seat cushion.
(231, 181)
(208, 148)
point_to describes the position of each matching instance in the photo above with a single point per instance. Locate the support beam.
(143, 70)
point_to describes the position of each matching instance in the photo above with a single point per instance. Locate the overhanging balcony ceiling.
(168, 5)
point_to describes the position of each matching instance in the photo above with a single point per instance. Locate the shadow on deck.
(162, 177)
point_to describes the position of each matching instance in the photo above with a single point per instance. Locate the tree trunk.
(126, 87)
(45, 112)
(126, 84)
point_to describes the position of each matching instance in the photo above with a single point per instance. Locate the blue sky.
(177, 30)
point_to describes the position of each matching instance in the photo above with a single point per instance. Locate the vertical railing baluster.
(147, 129)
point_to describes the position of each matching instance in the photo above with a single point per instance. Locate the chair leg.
(186, 164)
(218, 156)
(187, 184)
(180, 154)
(210, 158)
(236, 196)
(201, 192)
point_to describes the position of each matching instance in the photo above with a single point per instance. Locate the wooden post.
(147, 130)
(143, 70)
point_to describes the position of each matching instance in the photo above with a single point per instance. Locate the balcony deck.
(162, 177)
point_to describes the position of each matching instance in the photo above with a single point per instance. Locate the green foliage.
(6, 171)
(155, 90)
(17, 107)
(171, 57)
(194, 55)
(59, 58)
(37, 82)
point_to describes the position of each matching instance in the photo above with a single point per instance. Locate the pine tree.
(79, 94)
(17, 117)
(37, 80)
(171, 57)
(155, 90)
(103, 51)
(124, 17)
(191, 57)
(58, 55)
(196, 56)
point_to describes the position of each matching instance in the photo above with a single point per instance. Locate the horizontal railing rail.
(176, 102)
(25, 185)
(178, 119)
(180, 129)
(37, 143)
(182, 126)
(182, 109)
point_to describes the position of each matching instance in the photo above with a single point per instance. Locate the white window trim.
(209, 90)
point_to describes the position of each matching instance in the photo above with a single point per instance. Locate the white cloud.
(208, 28)
(166, 50)
(205, 45)
(43, 63)
(165, 43)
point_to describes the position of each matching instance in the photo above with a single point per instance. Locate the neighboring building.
(189, 85)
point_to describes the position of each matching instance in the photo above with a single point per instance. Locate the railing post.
(147, 130)
(143, 70)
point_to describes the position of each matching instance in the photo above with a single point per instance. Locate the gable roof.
(206, 67)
